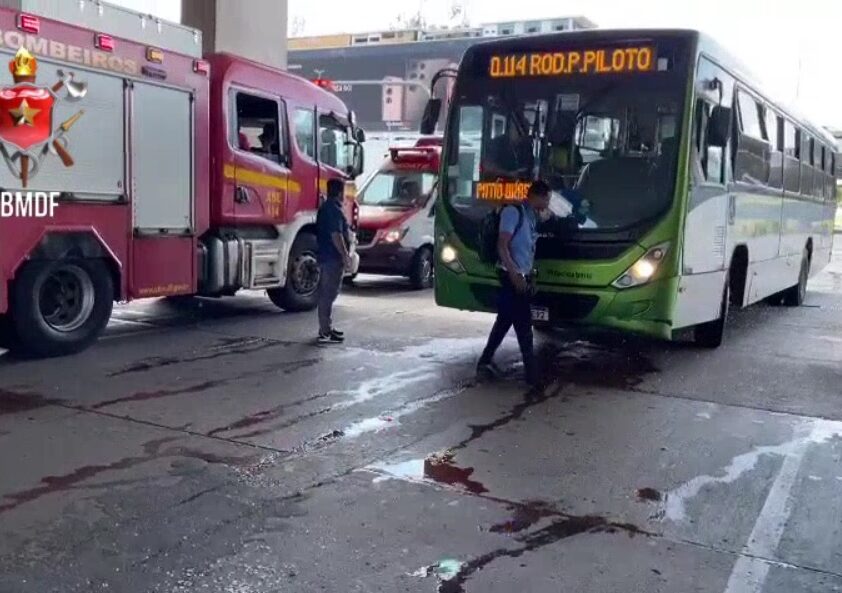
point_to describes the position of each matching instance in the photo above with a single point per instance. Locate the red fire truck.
(174, 176)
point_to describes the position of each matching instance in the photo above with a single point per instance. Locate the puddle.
(392, 418)
(435, 469)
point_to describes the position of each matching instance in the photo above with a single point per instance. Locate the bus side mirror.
(719, 126)
(359, 135)
(431, 117)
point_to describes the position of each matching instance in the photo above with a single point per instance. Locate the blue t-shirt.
(330, 219)
(522, 246)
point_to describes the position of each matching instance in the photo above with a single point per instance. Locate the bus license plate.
(540, 314)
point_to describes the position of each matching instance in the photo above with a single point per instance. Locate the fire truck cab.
(395, 231)
(174, 175)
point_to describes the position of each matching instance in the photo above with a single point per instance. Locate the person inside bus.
(518, 236)
(509, 155)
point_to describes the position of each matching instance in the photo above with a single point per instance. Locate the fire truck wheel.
(301, 292)
(61, 307)
(421, 272)
(7, 333)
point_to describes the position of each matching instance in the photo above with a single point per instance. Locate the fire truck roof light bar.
(29, 23)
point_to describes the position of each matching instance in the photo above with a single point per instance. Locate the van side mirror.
(719, 126)
(430, 119)
(359, 135)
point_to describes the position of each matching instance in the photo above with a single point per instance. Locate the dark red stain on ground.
(603, 364)
(161, 394)
(284, 368)
(649, 494)
(227, 347)
(14, 402)
(269, 415)
(524, 516)
(565, 526)
(152, 451)
(442, 469)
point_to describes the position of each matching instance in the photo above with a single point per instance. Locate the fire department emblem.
(27, 130)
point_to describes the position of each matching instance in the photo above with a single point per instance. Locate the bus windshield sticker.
(564, 63)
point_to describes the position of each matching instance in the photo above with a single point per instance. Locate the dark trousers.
(513, 309)
(330, 282)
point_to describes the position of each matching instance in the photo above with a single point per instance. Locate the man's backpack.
(489, 234)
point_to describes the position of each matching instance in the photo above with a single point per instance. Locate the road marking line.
(750, 570)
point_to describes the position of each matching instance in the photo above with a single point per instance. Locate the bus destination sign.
(500, 191)
(564, 63)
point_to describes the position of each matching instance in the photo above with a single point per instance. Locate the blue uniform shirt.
(522, 246)
(329, 220)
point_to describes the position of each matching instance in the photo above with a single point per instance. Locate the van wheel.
(712, 333)
(60, 307)
(795, 296)
(301, 292)
(421, 271)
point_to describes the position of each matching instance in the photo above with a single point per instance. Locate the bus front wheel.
(712, 333)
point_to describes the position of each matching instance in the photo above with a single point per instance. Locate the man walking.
(334, 258)
(516, 242)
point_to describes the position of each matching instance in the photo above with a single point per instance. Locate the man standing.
(516, 242)
(334, 258)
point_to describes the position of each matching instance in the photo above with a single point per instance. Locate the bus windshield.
(607, 146)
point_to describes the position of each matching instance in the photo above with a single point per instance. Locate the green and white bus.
(680, 187)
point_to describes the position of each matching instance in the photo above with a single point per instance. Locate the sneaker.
(329, 339)
(337, 333)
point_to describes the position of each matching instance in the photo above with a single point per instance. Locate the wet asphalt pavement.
(212, 446)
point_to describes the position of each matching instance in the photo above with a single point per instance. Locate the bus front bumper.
(645, 310)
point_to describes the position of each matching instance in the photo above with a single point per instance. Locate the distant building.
(407, 59)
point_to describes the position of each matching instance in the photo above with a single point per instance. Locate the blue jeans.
(513, 309)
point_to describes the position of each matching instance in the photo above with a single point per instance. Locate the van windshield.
(397, 189)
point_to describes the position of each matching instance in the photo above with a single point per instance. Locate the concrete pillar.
(254, 29)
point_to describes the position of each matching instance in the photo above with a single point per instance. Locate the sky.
(793, 46)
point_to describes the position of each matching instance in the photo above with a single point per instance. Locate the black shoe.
(488, 370)
(337, 333)
(330, 339)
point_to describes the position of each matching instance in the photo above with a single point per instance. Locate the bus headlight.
(643, 269)
(450, 258)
